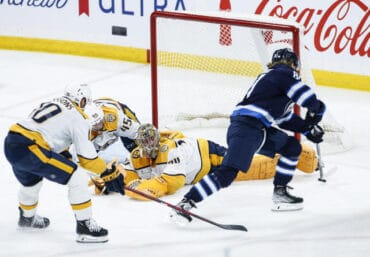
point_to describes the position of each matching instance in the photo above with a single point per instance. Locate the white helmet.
(95, 116)
(79, 93)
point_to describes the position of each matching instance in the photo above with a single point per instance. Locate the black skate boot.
(182, 218)
(283, 201)
(88, 231)
(35, 221)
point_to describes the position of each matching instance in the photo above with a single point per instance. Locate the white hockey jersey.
(117, 123)
(61, 124)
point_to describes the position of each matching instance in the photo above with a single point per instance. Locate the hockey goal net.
(202, 64)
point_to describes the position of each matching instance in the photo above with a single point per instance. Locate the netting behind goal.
(203, 64)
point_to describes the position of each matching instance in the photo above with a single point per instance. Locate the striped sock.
(204, 188)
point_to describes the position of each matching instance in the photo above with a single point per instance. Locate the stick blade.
(233, 227)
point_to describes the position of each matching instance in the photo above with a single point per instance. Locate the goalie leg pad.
(307, 160)
(262, 167)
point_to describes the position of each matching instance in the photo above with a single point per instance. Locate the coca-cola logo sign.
(338, 27)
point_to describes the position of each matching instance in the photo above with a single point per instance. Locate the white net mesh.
(205, 67)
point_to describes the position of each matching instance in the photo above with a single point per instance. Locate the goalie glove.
(155, 187)
(314, 133)
(113, 178)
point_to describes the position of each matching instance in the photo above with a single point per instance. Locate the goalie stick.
(223, 226)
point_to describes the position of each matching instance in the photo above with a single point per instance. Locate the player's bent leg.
(87, 229)
(28, 200)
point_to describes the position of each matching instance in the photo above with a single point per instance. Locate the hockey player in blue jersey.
(255, 127)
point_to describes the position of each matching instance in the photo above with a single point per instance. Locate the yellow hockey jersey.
(180, 161)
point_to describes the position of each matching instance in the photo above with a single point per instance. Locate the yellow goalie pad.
(262, 167)
(307, 160)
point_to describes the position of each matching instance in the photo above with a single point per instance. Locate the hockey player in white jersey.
(113, 128)
(37, 148)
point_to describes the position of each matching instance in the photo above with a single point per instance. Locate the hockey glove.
(99, 186)
(313, 118)
(314, 133)
(113, 179)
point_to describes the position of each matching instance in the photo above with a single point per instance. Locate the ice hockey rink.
(335, 220)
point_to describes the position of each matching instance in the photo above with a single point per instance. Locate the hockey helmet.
(95, 116)
(147, 139)
(287, 55)
(78, 93)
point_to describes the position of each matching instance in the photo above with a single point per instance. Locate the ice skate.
(283, 201)
(179, 217)
(35, 221)
(88, 231)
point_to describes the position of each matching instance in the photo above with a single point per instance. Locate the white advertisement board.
(337, 32)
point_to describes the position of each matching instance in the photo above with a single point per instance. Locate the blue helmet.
(286, 54)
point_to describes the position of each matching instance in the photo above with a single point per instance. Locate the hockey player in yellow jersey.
(113, 128)
(165, 161)
(37, 148)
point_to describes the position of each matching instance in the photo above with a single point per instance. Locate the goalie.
(164, 162)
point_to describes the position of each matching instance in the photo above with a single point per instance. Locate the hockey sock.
(285, 170)
(204, 188)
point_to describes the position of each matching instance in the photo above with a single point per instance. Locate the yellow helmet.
(147, 139)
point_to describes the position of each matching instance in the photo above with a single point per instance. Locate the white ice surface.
(335, 220)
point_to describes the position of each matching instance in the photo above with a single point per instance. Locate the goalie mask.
(287, 56)
(78, 93)
(148, 140)
(95, 116)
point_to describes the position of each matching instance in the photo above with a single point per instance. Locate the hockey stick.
(223, 226)
(320, 164)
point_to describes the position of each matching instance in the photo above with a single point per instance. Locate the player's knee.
(225, 175)
(77, 187)
(292, 148)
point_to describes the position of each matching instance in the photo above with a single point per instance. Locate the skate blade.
(287, 206)
(25, 228)
(91, 239)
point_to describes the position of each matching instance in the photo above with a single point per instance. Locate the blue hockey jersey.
(272, 96)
